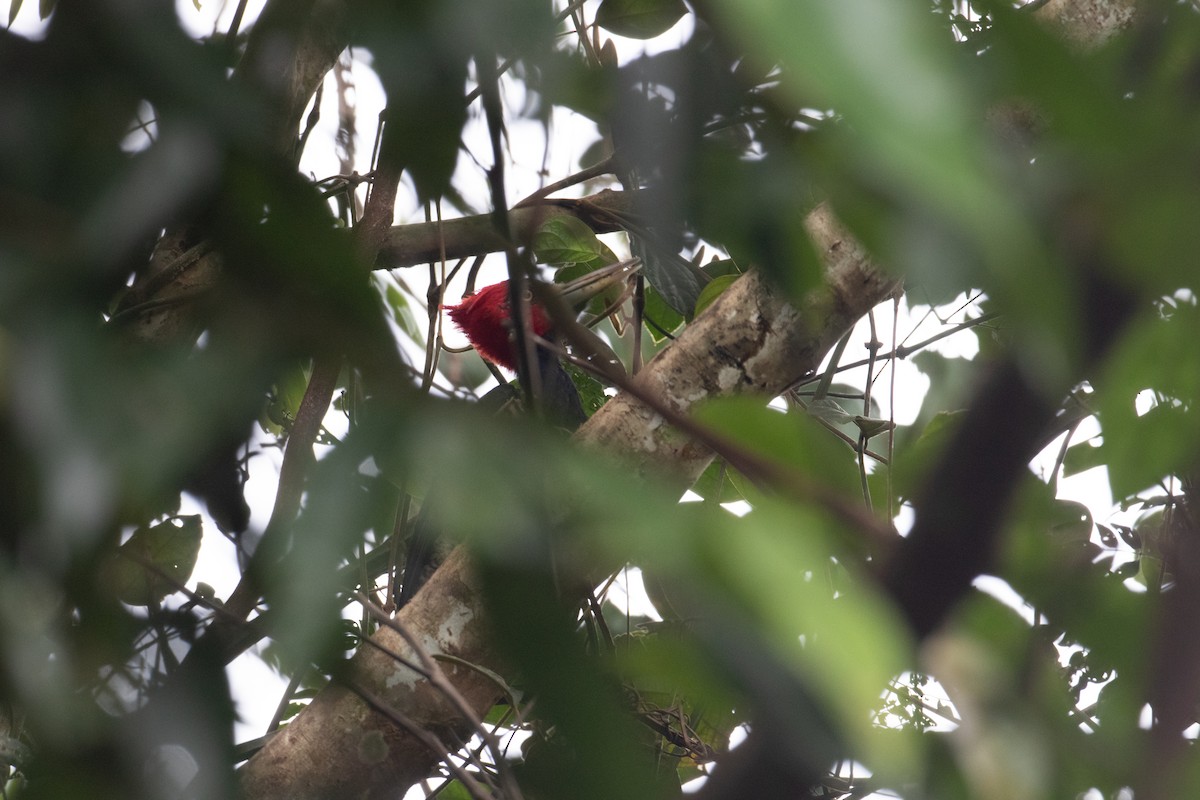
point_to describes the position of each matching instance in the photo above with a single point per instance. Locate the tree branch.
(749, 341)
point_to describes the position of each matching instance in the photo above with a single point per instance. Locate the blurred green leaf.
(914, 459)
(719, 267)
(758, 211)
(422, 63)
(893, 73)
(1071, 522)
(716, 484)
(1055, 573)
(345, 497)
(1083, 456)
(454, 790)
(1140, 450)
(581, 704)
(676, 686)
(154, 562)
(906, 162)
(950, 382)
(791, 439)
(769, 566)
(402, 312)
(1153, 536)
(1143, 449)
(596, 152)
(639, 19)
(284, 401)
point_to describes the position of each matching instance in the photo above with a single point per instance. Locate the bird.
(485, 318)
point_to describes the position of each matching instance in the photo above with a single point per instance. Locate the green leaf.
(14, 8)
(1157, 356)
(773, 562)
(402, 312)
(422, 65)
(661, 318)
(716, 484)
(596, 152)
(154, 562)
(675, 684)
(912, 129)
(914, 459)
(712, 291)
(677, 282)
(567, 240)
(1070, 521)
(756, 213)
(591, 391)
(1083, 456)
(871, 427)
(1049, 562)
(454, 790)
(792, 439)
(639, 19)
(280, 410)
(828, 410)
(722, 266)
(1142, 451)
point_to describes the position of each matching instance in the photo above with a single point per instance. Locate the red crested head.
(485, 319)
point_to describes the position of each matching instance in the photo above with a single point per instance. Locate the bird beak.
(578, 292)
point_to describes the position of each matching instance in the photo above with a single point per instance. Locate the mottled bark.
(1088, 23)
(341, 747)
(753, 342)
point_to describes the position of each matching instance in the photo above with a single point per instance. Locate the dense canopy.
(887, 487)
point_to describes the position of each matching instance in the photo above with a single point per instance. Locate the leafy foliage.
(179, 302)
(155, 562)
(639, 19)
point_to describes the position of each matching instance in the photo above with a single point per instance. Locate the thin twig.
(596, 170)
(904, 351)
(293, 473)
(519, 269)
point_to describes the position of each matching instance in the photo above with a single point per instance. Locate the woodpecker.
(485, 317)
